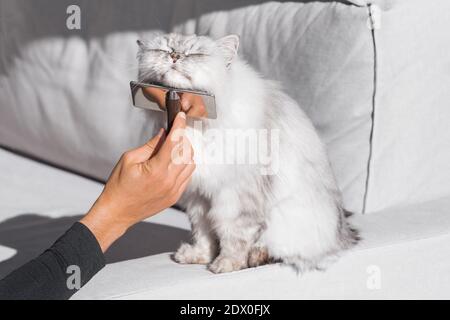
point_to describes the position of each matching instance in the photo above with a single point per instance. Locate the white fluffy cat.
(240, 217)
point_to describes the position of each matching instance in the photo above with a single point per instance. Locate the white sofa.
(373, 78)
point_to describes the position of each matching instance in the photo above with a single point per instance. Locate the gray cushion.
(65, 99)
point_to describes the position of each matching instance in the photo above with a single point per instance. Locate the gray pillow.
(64, 94)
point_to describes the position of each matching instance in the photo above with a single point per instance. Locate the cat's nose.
(175, 56)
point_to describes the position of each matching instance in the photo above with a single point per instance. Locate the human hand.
(145, 181)
(155, 95)
(193, 105)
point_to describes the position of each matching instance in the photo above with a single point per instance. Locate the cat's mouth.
(178, 72)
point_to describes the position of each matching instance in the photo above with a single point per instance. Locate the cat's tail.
(347, 213)
(348, 237)
(302, 265)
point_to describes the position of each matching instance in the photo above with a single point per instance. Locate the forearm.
(144, 182)
(49, 276)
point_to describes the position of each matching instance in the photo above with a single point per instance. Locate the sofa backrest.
(64, 93)
(410, 159)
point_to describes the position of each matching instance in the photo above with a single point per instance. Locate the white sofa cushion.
(65, 99)
(403, 256)
(411, 140)
(407, 247)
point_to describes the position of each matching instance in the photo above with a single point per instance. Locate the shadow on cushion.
(31, 234)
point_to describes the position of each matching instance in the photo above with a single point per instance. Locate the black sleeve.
(58, 272)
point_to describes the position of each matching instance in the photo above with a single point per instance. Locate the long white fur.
(295, 215)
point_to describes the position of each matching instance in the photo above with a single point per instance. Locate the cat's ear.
(142, 44)
(229, 46)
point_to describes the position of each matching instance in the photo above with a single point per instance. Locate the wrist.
(103, 223)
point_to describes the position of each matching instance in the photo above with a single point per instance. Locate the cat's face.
(191, 62)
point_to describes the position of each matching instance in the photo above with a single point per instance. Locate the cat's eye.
(162, 51)
(196, 54)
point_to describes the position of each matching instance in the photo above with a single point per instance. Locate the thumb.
(147, 150)
(174, 136)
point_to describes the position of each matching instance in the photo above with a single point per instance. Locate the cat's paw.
(258, 256)
(190, 254)
(224, 264)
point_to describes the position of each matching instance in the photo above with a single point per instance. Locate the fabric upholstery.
(64, 93)
(403, 253)
(411, 139)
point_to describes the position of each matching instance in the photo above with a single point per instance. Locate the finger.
(184, 175)
(182, 156)
(197, 111)
(183, 187)
(179, 122)
(147, 150)
(193, 105)
(174, 137)
(186, 101)
(156, 95)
